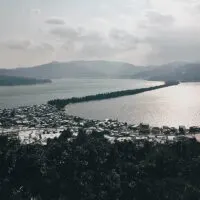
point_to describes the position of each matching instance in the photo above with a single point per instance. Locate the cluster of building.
(39, 122)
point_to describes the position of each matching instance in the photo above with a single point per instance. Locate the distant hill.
(12, 80)
(178, 71)
(76, 69)
(184, 72)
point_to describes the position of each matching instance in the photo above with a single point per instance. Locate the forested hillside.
(89, 168)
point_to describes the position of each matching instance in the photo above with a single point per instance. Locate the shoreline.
(61, 103)
(40, 122)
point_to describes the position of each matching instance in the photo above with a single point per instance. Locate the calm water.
(173, 106)
(38, 94)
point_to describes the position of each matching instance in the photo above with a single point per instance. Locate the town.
(35, 124)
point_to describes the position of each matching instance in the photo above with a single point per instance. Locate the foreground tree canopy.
(90, 168)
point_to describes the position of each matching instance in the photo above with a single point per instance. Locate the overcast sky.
(137, 31)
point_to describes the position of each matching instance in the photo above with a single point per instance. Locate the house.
(194, 129)
(133, 127)
(182, 130)
(166, 130)
(144, 128)
(156, 131)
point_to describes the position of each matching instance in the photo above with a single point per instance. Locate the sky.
(141, 32)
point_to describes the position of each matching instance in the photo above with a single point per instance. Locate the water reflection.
(65, 88)
(173, 106)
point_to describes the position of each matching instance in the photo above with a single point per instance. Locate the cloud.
(90, 37)
(97, 50)
(94, 45)
(25, 52)
(159, 18)
(123, 39)
(55, 21)
(69, 46)
(171, 45)
(82, 42)
(27, 45)
(155, 19)
(47, 46)
(17, 44)
(117, 38)
(65, 32)
(150, 31)
(36, 11)
(44, 46)
(193, 8)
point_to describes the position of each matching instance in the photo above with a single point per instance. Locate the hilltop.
(75, 69)
(179, 71)
(175, 71)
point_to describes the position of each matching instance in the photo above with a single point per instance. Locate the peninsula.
(12, 81)
(61, 103)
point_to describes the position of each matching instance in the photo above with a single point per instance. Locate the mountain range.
(75, 69)
(179, 71)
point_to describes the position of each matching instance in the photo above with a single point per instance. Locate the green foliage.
(90, 168)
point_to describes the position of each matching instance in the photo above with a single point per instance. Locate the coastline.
(20, 81)
(40, 122)
(61, 103)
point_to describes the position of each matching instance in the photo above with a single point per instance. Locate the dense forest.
(12, 80)
(91, 168)
(60, 103)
